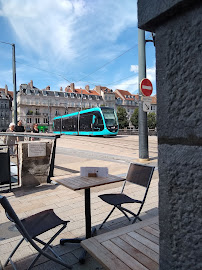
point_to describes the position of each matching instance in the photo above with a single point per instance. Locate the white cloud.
(134, 68)
(151, 75)
(132, 84)
(66, 29)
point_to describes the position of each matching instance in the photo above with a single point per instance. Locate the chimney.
(6, 90)
(31, 84)
(61, 89)
(87, 88)
(72, 87)
(98, 89)
(48, 87)
(67, 88)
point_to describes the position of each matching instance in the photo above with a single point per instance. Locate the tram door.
(86, 123)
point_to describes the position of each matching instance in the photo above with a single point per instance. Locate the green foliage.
(29, 112)
(151, 120)
(122, 117)
(134, 118)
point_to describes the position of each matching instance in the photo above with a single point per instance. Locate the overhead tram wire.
(107, 63)
(54, 73)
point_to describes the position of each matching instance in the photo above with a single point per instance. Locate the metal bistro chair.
(139, 175)
(33, 226)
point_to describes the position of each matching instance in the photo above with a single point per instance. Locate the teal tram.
(97, 121)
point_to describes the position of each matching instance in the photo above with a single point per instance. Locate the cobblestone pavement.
(72, 153)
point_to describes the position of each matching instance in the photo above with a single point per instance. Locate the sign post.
(146, 89)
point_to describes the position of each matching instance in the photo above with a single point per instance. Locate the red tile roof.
(84, 91)
(93, 92)
(154, 100)
(9, 92)
(124, 93)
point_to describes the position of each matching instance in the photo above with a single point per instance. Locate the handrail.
(30, 134)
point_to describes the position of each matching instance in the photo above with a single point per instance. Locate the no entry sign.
(146, 87)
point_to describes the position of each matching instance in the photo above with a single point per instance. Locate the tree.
(134, 118)
(151, 120)
(122, 117)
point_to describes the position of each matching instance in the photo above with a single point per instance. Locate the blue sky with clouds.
(71, 39)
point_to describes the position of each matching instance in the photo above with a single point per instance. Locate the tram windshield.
(110, 117)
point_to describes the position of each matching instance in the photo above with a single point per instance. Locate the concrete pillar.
(178, 28)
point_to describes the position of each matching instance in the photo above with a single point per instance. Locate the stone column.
(178, 28)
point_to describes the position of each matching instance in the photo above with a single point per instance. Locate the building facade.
(41, 106)
(5, 108)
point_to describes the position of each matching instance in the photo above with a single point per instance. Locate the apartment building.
(5, 108)
(41, 106)
(107, 94)
(127, 100)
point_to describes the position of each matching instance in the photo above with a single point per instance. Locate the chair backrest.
(140, 174)
(13, 217)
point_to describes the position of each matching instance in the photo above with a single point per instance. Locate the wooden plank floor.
(132, 247)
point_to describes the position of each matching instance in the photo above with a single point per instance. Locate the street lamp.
(14, 80)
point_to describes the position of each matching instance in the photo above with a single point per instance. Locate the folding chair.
(33, 226)
(139, 175)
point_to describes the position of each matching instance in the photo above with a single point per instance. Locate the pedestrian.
(10, 140)
(19, 128)
(35, 130)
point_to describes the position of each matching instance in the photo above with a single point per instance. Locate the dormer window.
(44, 93)
(28, 92)
(84, 96)
(72, 95)
(37, 92)
(56, 94)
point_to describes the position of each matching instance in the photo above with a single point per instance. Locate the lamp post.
(14, 80)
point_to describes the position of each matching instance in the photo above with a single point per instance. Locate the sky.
(87, 42)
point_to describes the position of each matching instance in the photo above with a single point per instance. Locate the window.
(29, 120)
(56, 112)
(45, 120)
(70, 123)
(86, 121)
(57, 124)
(98, 124)
(37, 120)
(37, 112)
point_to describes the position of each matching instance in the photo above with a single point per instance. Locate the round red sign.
(146, 87)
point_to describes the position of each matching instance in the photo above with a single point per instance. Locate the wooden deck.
(132, 247)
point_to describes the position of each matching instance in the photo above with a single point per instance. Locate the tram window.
(98, 125)
(86, 122)
(57, 123)
(69, 123)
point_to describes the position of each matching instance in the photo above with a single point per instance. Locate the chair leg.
(107, 217)
(13, 252)
(120, 208)
(136, 216)
(47, 245)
